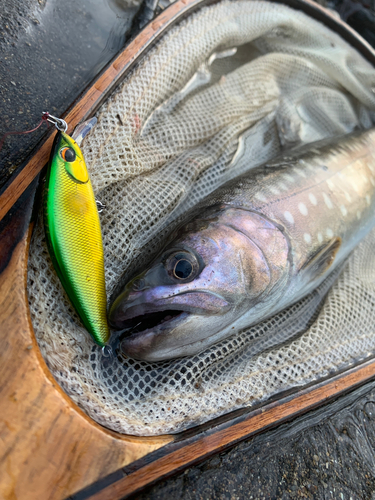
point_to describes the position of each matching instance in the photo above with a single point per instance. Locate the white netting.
(193, 114)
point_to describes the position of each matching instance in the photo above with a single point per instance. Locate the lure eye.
(182, 266)
(68, 154)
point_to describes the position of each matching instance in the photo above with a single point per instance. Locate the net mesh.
(224, 91)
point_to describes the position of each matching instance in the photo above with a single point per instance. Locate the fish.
(73, 235)
(250, 249)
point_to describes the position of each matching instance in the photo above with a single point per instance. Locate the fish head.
(67, 155)
(195, 290)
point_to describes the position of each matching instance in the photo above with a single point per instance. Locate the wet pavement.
(326, 454)
(49, 53)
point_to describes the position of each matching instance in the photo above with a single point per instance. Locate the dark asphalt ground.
(49, 51)
(326, 454)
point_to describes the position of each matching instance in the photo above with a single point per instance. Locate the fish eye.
(182, 266)
(68, 154)
(182, 269)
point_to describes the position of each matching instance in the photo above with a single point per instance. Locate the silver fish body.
(253, 247)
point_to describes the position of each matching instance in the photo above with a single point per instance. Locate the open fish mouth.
(154, 321)
(143, 334)
(136, 315)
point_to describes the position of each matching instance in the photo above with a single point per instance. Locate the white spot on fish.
(283, 186)
(308, 165)
(368, 199)
(348, 197)
(289, 177)
(307, 238)
(313, 200)
(320, 237)
(261, 197)
(329, 233)
(274, 190)
(343, 210)
(289, 217)
(327, 200)
(299, 172)
(358, 215)
(303, 209)
(331, 184)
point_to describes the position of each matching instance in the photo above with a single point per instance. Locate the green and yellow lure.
(74, 236)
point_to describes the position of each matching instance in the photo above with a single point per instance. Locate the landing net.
(222, 92)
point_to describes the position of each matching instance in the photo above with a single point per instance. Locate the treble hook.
(100, 206)
(107, 351)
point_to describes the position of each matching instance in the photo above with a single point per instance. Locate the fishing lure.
(73, 232)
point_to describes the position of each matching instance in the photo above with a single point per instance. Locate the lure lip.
(83, 129)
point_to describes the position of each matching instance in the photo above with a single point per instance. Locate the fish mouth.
(146, 328)
(143, 333)
(153, 321)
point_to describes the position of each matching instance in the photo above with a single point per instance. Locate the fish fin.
(322, 260)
